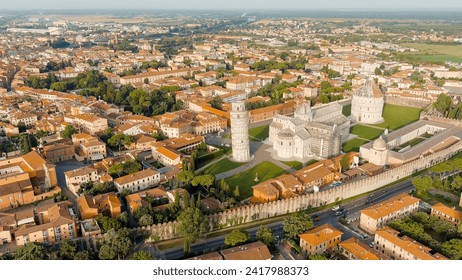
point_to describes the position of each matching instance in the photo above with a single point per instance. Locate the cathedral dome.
(379, 144)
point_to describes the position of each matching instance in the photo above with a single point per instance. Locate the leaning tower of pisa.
(240, 132)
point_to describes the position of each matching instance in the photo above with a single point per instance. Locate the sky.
(234, 4)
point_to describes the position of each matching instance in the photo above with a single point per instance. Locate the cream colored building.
(354, 249)
(240, 132)
(75, 178)
(379, 215)
(138, 181)
(26, 118)
(55, 223)
(89, 123)
(390, 243)
(312, 132)
(88, 147)
(367, 104)
(448, 214)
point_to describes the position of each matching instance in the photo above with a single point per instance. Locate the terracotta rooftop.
(320, 235)
(389, 206)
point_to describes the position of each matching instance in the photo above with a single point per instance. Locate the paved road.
(326, 216)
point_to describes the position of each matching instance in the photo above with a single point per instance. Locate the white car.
(335, 208)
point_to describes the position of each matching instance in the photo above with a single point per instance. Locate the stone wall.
(441, 120)
(256, 212)
(406, 102)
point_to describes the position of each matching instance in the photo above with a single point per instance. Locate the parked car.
(340, 212)
(315, 218)
(371, 245)
(336, 208)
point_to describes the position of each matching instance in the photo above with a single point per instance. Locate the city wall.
(406, 102)
(245, 214)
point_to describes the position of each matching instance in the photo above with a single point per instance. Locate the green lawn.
(366, 132)
(353, 145)
(398, 116)
(222, 166)
(246, 180)
(346, 110)
(260, 133)
(436, 53)
(294, 164)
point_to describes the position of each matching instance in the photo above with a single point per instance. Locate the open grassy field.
(246, 180)
(366, 132)
(436, 53)
(294, 164)
(222, 166)
(398, 116)
(260, 133)
(353, 145)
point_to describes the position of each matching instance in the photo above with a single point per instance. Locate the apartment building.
(59, 152)
(398, 247)
(54, 224)
(319, 239)
(153, 76)
(166, 156)
(137, 181)
(448, 214)
(88, 147)
(379, 215)
(27, 119)
(353, 249)
(91, 206)
(75, 178)
(90, 123)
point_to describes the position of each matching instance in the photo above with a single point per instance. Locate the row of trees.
(445, 106)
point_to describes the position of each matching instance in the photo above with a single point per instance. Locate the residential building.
(144, 198)
(89, 123)
(88, 147)
(27, 119)
(319, 239)
(91, 206)
(252, 251)
(55, 223)
(137, 181)
(59, 152)
(353, 249)
(398, 247)
(75, 178)
(166, 156)
(448, 214)
(379, 215)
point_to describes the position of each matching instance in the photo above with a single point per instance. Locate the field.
(294, 164)
(346, 111)
(246, 180)
(259, 133)
(436, 53)
(353, 145)
(366, 132)
(398, 116)
(221, 166)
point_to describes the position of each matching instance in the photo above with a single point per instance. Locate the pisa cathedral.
(311, 133)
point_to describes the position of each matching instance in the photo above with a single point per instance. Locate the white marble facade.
(367, 104)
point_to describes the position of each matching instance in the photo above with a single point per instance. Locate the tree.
(115, 245)
(297, 223)
(237, 192)
(317, 258)
(452, 249)
(265, 235)
(236, 237)
(191, 224)
(206, 180)
(68, 132)
(24, 144)
(443, 104)
(30, 251)
(185, 176)
(143, 255)
(118, 140)
(422, 184)
(345, 163)
(145, 220)
(217, 103)
(59, 86)
(67, 249)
